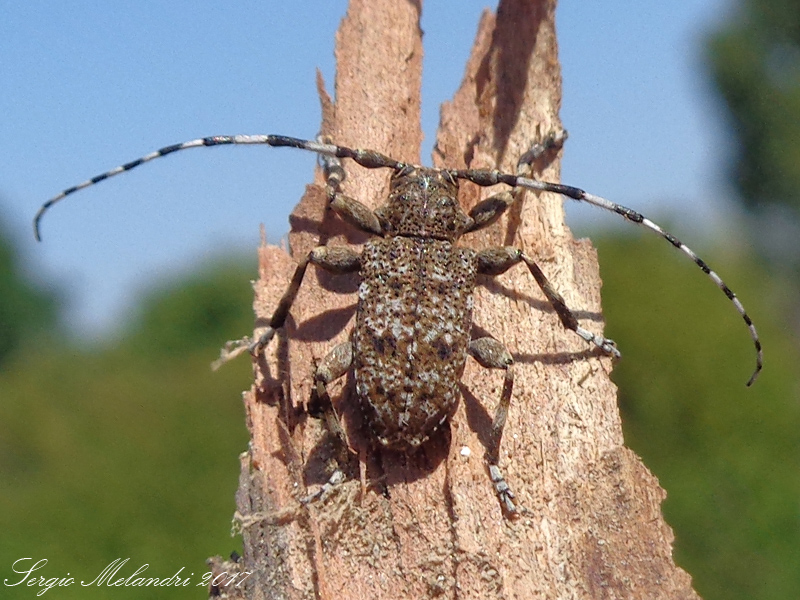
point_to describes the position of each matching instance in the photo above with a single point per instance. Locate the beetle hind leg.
(335, 364)
(491, 354)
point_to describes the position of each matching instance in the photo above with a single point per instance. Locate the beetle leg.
(335, 364)
(491, 354)
(332, 367)
(335, 259)
(494, 261)
(351, 210)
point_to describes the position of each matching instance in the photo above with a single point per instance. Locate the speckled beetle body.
(414, 317)
(411, 335)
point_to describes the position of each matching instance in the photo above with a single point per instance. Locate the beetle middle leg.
(494, 261)
(334, 259)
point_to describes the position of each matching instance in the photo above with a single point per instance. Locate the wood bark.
(429, 524)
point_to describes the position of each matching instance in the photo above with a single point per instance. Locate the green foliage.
(754, 61)
(25, 310)
(128, 451)
(745, 459)
(203, 310)
(728, 456)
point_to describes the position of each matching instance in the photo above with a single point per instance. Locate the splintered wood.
(427, 524)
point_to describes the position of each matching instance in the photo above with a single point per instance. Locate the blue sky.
(90, 85)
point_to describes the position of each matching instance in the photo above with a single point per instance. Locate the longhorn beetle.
(414, 315)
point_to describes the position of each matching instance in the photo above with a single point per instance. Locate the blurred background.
(117, 441)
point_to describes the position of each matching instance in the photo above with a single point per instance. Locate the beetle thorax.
(423, 203)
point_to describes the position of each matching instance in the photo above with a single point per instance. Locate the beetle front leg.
(351, 210)
(488, 211)
(491, 354)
